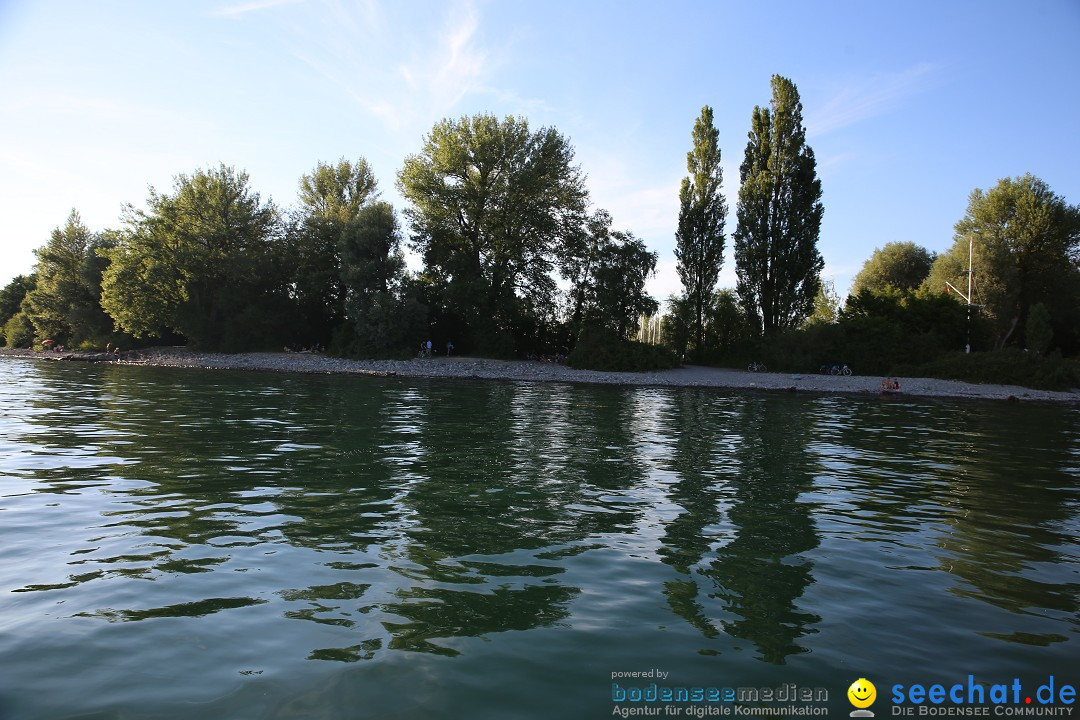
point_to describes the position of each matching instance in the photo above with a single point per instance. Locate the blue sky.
(908, 106)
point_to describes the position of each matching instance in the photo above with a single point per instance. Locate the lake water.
(197, 544)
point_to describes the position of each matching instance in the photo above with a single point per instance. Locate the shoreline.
(691, 376)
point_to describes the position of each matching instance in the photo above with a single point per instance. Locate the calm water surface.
(179, 543)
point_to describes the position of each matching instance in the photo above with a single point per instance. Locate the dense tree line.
(902, 315)
(515, 261)
(498, 212)
(901, 312)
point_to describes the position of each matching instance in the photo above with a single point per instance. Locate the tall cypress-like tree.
(699, 241)
(776, 257)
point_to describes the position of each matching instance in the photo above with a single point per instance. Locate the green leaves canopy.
(902, 265)
(776, 257)
(384, 316)
(331, 198)
(1026, 242)
(699, 239)
(63, 305)
(338, 191)
(492, 201)
(204, 261)
(609, 290)
(12, 294)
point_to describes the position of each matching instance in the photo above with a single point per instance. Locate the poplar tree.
(699, 240)
(777, 262)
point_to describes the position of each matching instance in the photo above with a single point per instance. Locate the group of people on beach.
(890, 385)
(426, 350)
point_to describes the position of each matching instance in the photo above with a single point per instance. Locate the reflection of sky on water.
(389, 516)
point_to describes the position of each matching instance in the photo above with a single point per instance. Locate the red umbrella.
(47, 342)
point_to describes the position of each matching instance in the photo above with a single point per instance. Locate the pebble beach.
(468, 368)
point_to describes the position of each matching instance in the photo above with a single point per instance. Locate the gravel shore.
(528, 371)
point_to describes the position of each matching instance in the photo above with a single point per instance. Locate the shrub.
(1003, 367)
(605, 350)
(1039, 333)
(18, 332)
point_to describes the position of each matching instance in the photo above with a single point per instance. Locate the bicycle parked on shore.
(757, 367)
(834, 370)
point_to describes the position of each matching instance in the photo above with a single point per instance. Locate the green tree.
(1025, 241)
(577, 262)
(726, 322)
(492, 204)
(331, 198)
(902, 265)
(826, 305)
(1038, 332)
(618, 291)
(385, 315)
(206, 261)
(608, 271)
(338, 191)
(699, 240)
(11, 296)
(64, 304)
(677, 324)
(18, 332)
(779, 211)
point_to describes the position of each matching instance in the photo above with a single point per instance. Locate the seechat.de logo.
(862, 694)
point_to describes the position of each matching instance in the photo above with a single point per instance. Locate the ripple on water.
(231, 544)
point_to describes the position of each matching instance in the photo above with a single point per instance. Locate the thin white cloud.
(649, 211)
(533, 107)
(249, 7)
(860, 101)
(436, 63)
(457, 67)
(87, 109)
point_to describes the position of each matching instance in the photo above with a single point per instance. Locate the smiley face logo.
(862, 693)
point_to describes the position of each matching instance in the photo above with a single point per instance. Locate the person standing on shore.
(449, 348)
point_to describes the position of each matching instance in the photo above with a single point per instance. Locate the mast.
(967, 298)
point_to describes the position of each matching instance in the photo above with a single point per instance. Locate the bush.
(18, 332)
(1003, 367)
(1039, 332)
(801, 350)
(344, 342)
(605, 350)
